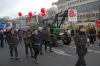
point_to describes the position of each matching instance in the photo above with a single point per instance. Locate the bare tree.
(51, 13)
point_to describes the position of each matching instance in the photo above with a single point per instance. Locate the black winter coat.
(80, 41)
(1, 36)
(12, 39)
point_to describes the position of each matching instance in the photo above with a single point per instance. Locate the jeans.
(91, 39)
(20, 39)
(48, 44)
(26, 49)
(11, 52)
(41, 47)
(36, 51)
(81, 60)
(2, 42)
(99, 42)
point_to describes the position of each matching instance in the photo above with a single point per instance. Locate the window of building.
(97, 14)
(93, 15)
(80, 16)
(68, 4)
(73, 2)
(84, 16)
(82, 0)
(88, 15)
(76, 2)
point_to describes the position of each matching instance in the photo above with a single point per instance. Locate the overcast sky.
(12, 7)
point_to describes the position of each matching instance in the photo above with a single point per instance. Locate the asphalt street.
(62, 55)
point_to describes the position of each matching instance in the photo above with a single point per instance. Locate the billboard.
(2, 24)
(72, 15)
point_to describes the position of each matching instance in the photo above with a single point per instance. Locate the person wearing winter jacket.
(81, 46)
(12, 40)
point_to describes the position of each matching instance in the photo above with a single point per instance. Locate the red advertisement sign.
(72, 15)
(98, 22)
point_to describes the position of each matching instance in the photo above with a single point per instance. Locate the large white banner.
(72, 15)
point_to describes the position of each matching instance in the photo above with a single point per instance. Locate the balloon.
(43, 10)
(30, 14)
(43, 14)
(20, 14)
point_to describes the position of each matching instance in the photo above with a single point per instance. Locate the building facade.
(24, 22)
(88, 10)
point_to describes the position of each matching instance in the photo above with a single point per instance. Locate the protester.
(81, 46)
(12, 40)
(20, 34)
(76, 31)
(40, 31)
(1, 38)
(94, 37)
(36, 44)
(99, 37)
(69, 32)
(48, 39)
(45, 38)
(72, 32)
(92, 34)
(5, 33)
(28, 44)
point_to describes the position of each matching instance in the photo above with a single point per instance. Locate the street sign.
(72, 15)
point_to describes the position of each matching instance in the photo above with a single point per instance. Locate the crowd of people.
(35, 39)
(91, 33)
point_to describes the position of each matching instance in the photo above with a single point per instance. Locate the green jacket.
(27, 38)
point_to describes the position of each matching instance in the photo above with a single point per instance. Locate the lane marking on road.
(71, 47)
(88, 50)
(94, 46)
(60, 52)
(94, 51)
(90, 46)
